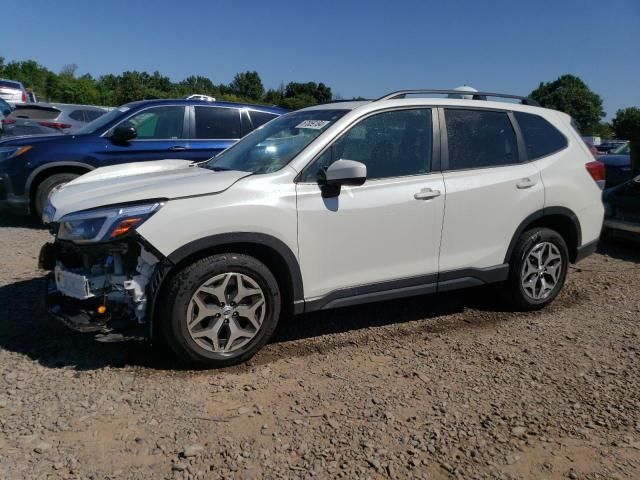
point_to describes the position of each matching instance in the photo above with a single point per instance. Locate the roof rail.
(476, 95)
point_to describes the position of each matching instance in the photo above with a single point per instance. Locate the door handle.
(426, 194)
(526, 183)
(177, 148)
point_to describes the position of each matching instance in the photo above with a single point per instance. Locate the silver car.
(13, 92)
(31, 118)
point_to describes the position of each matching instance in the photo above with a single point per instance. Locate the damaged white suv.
(329, 206)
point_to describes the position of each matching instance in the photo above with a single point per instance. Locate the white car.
(13, 92)
(334, 205)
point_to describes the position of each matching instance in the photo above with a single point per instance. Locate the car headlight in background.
(9, 152)
(104, 224)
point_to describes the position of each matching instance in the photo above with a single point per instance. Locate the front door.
(162, 134)
(385, 234)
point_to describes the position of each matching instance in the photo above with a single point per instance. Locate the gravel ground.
(433, 387)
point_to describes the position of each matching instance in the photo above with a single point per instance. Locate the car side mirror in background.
(123, 133)
(342, 172)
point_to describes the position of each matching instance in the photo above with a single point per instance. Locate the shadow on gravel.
(19, 221)
(621, 249)
(26, 329)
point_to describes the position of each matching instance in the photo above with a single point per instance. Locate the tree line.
(568, 93)
(112, 90)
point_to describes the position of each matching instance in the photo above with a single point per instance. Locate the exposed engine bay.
(100, 287)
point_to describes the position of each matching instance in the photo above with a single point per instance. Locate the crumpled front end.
(102, 287)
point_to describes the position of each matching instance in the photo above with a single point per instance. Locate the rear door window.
(77, 115)
(260, 118)
(540, 137)
(480, 139)
(217, 123)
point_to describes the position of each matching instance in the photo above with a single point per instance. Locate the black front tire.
(517, 296)
(183, 285)
(45, 188)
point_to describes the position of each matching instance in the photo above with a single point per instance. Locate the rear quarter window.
(540, 137)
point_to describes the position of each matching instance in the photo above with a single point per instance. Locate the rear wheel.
(221, 310)
(538, 269)
(46, 187)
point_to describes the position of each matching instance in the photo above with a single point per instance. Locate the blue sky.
(362, 48)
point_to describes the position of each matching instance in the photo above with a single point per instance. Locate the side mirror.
(342, 172)
(345, 172)
(123, 133)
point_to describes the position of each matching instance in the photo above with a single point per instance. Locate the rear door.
(162, 134)
(214, 128)
(490, 188)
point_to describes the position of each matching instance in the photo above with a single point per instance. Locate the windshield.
(272, 146)
(622, 149)
(101, 121)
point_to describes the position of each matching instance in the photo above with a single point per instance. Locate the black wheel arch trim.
(537, 215)
(258, 239)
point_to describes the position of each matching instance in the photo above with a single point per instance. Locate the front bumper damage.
(104, 288)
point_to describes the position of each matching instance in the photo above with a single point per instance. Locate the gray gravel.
(443, 386)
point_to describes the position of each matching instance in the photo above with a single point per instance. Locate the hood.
(137, 182)
(616, 160)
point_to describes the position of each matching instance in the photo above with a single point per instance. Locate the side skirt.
(422, 285)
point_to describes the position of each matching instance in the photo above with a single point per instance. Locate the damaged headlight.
(104, 224)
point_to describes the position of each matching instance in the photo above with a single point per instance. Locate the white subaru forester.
(333, 205)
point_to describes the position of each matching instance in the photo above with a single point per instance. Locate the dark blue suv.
(30, 167)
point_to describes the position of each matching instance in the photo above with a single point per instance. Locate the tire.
(532, 288)
(180, 307)
(45, 188)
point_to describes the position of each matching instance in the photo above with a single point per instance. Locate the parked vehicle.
(31, 167)
(617, 165)
(5, 109)
(15, 128)
(592, 148)
(12, 92)
(622, 209)
(334, 205)
(204, 98)
(609, 145)
(61, 117)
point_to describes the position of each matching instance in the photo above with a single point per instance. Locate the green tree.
(571, 95)
(627, 125)
(247, 85)
(319, 91)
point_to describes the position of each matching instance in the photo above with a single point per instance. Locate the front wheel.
(220, 310)
(46, 187)
(538, 269)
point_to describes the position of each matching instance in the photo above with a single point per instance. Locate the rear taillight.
(58, 125)
(596, 170)
(24, 97)
(7, 121)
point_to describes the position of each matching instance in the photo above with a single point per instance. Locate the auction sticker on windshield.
(313, 124)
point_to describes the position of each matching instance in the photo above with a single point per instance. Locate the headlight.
(9, 152)
(104, 224)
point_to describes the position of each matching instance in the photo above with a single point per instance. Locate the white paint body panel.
(259, 204)
(484, 207)
(369, 233)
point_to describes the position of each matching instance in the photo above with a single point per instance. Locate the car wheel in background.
(46, 187)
